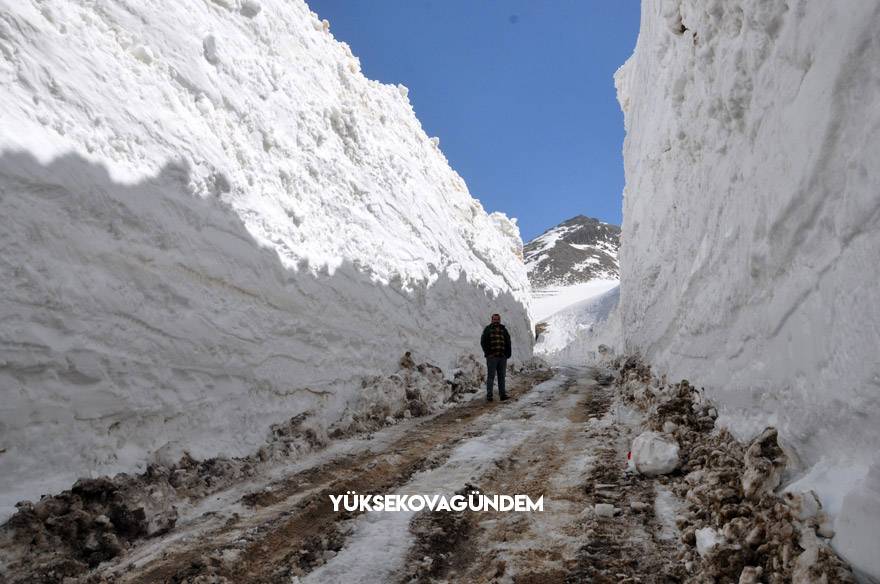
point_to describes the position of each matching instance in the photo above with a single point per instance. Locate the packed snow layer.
(572, 335)
(752, 226)
(213, 222)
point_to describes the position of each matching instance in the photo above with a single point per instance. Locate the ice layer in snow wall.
(212, 221)
(752, 227)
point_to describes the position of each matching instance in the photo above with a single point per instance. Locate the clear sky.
(520, 93)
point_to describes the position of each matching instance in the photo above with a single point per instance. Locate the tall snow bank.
(752, 222)
(212, 222)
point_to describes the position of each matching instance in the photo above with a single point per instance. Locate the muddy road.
(558, 437)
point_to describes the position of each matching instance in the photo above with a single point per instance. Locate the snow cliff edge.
(752, 228)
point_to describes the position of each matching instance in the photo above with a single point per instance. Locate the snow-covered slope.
(572, 335)
(570, 263)
(548, 301)
(752, 228)
(213, 222)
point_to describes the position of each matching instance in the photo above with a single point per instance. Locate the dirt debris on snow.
(291, 537)
(67, 535)
(734, 526)
(415, 390)
(291, 528)
(577, 463)
(714, 518)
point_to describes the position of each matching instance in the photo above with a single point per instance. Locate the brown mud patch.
(292, 528)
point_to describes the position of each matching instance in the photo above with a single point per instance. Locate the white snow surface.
(548, 301)
(212, 221)
(574, 333)
(752, 227)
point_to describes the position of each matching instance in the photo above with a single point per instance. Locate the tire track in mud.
(379, 546)
(482, 546)
(293, 525)
(625, 548)
(574, 465)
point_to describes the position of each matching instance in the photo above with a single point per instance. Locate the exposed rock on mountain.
(575, 251)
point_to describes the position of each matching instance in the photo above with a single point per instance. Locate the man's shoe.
(503, 397)
(489, 398)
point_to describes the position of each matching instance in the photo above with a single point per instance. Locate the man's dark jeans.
(496, 365)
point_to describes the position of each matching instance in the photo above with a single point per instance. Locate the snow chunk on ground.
(604, 509)
(655, 454)
(707, 540)
(666, 508)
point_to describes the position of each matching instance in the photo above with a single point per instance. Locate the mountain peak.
(577, 250)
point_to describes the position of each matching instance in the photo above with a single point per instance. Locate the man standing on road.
(496, 347)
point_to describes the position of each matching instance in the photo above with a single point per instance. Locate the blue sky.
(520, 93)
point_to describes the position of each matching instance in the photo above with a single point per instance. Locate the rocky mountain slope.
(575, 251)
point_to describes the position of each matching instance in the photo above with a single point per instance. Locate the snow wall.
(751, 231)
(211, 222)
